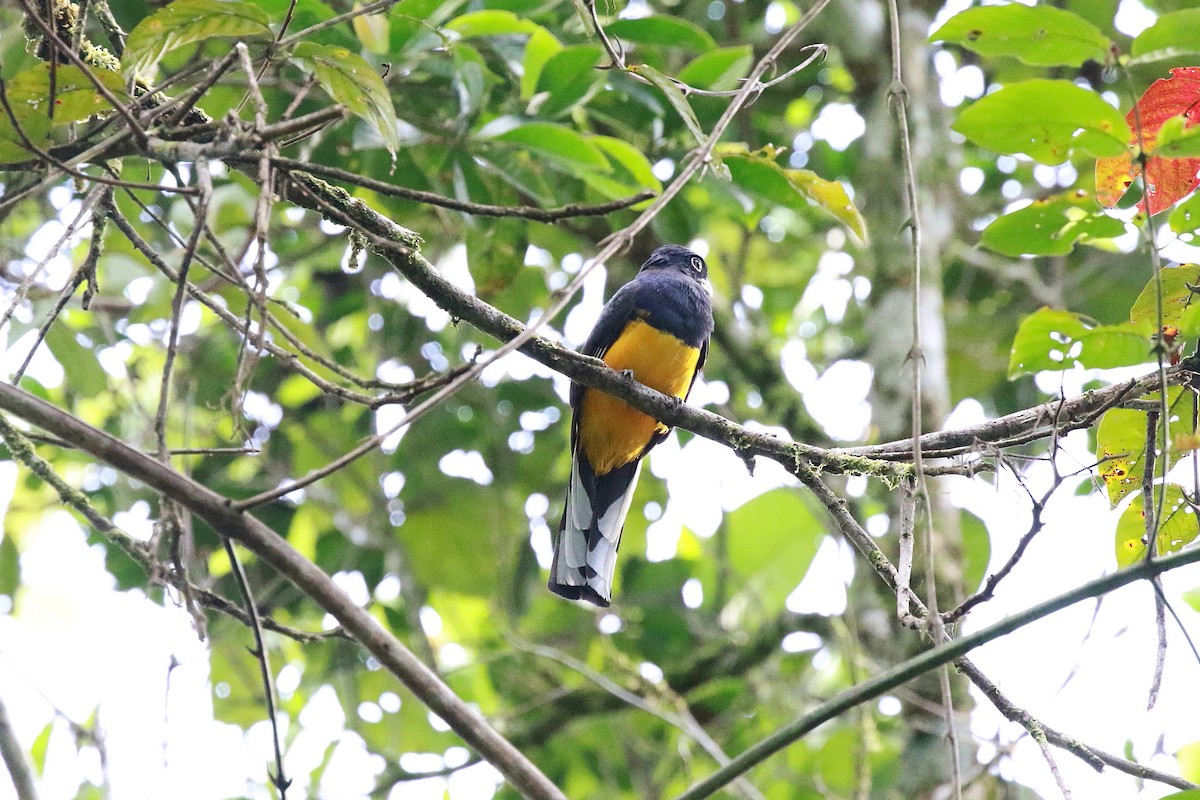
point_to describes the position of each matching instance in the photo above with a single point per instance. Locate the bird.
(656, 327)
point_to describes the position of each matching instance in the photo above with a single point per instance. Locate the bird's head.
(679, 258)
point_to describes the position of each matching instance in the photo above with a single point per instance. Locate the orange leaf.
(1167, 179)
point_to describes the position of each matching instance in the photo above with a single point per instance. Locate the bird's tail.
(585, 553)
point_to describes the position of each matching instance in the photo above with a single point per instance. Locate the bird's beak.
(706, 285)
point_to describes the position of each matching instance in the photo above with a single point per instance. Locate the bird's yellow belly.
(611, 433)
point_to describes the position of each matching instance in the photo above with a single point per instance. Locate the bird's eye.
(697, 265)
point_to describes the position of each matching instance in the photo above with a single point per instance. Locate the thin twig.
(204, 182)
(477, 209)
(922, 664)
(279, 780)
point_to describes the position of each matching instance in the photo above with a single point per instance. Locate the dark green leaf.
(663, 31)
(718, 70)
(569, 75)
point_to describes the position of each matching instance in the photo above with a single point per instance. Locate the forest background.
(264, 265)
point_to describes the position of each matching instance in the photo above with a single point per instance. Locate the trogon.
(656, 327)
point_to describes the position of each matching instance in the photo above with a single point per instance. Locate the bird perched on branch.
(656, 327)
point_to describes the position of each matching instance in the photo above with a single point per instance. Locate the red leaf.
(1167, 179)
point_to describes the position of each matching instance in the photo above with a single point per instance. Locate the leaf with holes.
(1051, 226)
(187, 22)
(1185, 218)
(1050, 339)
(1040, 35)
(1168, 180)
(1121, 444)
(1178, 528)
(354, 83)
(75, 94)
(1045, 119)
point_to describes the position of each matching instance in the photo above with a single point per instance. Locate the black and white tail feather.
(585, 555)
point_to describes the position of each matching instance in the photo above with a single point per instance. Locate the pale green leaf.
(1040, 35)
(1045, 119)
(185, 22)
(354, 83)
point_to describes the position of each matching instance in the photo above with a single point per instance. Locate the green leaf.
(10, 566)
(1171, 37)
(1177, 528)
(976, 550)
(37, 751)
(1040, 35)
(86, 378)
(1177, 141)
(794, 188)
(354, 83)
(1176, 296)
(1051, 226)
(1121, 445)
(830, 196)
(373, 30)
(185, 22)
(1049, 339)
(630, 158)
(772, 541)
(674, 96)
(540, 48)
(453, 545)
(559, 143)
(1045, 119)
(662, 30)
(569, 76)
(36, 128)
(490, 23)
(1185, 218)
(76, 97)
(718, 70)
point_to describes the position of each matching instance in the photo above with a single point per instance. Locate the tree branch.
(272, 548)
(925, 662)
